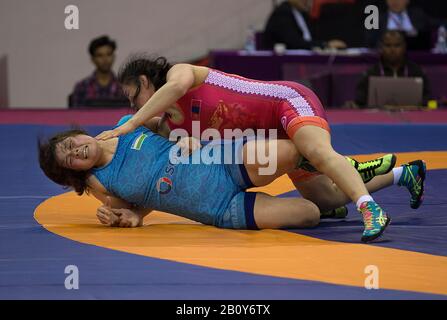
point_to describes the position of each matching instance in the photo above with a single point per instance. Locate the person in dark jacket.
(412, 21)
(289, 24)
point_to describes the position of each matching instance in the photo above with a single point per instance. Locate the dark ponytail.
(155, 69)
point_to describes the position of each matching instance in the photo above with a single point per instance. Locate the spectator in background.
(101, 87)
(436, 9)
(411, 20)
(290, 24)
(393, 63)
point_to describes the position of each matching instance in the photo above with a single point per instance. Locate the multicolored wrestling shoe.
(367, 169)
(374, 219)
(413, 177)
(372, 168)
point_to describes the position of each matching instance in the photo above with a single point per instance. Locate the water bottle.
(441, 46)
(250, 42)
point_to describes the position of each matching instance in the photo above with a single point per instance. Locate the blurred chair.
(100, 103)
(344, 81)
(259, 38)
(341, 20)
(4, 99)
(318, 4)
(70, 101)
(314, 76)
(334, 86)
(437, 76)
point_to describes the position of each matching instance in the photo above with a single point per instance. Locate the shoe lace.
(412, 181)
(381, 218)
(367, 169)
(372, 164)
(369, 218)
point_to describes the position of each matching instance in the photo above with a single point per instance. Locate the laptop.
(391, 91)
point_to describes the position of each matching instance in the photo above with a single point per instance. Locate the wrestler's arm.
(186, 144)
(158, 125)
(179, 79)
(115, 212)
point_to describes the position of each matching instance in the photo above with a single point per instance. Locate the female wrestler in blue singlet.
(139, 171)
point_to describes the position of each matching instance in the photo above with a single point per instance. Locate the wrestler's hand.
(124, 218)
(188, 145)
(106, 216)
(127, 218)
(127, 127)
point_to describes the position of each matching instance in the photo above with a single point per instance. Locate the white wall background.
(45, 60)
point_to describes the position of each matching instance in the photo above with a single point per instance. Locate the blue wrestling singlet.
(142, 174)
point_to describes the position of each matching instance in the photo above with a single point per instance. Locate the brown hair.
(53, 170)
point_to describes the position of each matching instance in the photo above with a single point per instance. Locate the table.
(333, 77)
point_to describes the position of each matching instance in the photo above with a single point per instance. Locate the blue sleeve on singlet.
(123, 120)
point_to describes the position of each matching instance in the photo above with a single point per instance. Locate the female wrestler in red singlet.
(219, 100)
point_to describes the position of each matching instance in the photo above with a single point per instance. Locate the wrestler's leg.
(320, 189)
(314, 143)
(278, 213)
(327, 195)
(283, 158)
(272, 212)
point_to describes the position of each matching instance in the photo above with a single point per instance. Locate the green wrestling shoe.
(413, 177)
(372, 168)
(374, 219)
(339, 213)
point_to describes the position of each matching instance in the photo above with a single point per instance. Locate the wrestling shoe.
(372, 168)
(413, 177)
(374, 219)
(339, 213)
